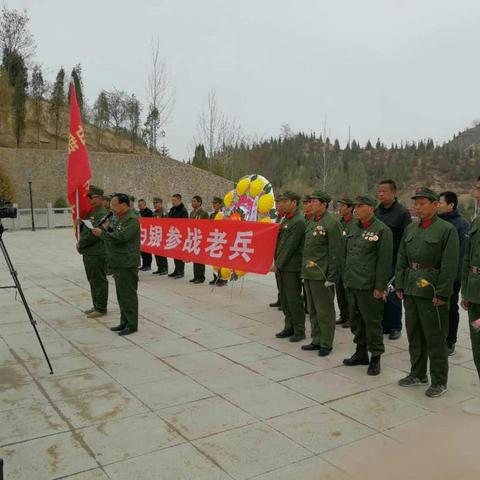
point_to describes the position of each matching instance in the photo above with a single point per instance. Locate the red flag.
(79, 171)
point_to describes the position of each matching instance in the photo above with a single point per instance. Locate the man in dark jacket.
(217, 204)
(447, 210)
(178, 210)
(198, 213)
(396, 217)
(159, 212)
(145, 212)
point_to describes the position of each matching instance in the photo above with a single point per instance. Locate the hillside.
(44, 138)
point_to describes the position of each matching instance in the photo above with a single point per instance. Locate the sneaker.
(435, 391)
(411, 381)
(450, 349)
(96, 314)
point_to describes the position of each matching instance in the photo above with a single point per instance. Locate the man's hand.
(274, 269)
(400, 294)
(97, 231)
(438, 303)
(106, 224)
(77, 222)
(378, 294)
(464, 303)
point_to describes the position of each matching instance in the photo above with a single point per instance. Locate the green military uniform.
(428, 250)
(94, 257)
(346, 224)
(288, 261)
(162, 262)
(471, 286)
(322, 256)
(198, 268)
(368, 262)
(123, 258)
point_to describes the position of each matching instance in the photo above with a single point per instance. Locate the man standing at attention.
(198, 213)
(123, 257)
(426, 269)
(367, 268)
(471, 293)
(288, 265)
(321, 266)
(145, 212)
(159, 212)
(396, 217)
(94, 255)
(178, 210)
(447, 210)
(345, 213)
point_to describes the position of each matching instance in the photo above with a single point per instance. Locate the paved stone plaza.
(204, 391)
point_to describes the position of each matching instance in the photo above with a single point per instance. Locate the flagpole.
(77, 208)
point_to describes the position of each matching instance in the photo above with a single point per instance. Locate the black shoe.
(127, 331)
(199, 281)
(163, 272)
(172, 274)
(297, 337)
(274, 304)
(450, 349)
(178, 275)
(386, 331)
(284, 333)
(212, 282)
(310, 346)
(374, 366)
(346, 324)
(118, 328)
(193, 280)
(340, 321)
(324, 351)
(395, 334)
(357, 359)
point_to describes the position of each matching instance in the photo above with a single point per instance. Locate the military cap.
(289, 195)
(423, 192)
(93, 190)
(106, 197)
(320, 195)
(306, 198)
(217, 200)
(157, 200)
(365, 200)
(345, 200)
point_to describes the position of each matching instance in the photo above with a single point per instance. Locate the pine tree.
(200, 157)
(57, 102)
(5, 100)
(78, 82)
(133, 117)
(101, 115)
(19, 105)
(37, 93)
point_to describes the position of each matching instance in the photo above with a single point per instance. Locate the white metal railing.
(49, 217)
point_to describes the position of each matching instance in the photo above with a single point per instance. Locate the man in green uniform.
(345, 213)
(321, 266)
(288, 265)
(368, 261)
(159, 212)
(426, 269)
(471, 291)
(198, 213)
(280, 215)
(94, 255)
(123, 257)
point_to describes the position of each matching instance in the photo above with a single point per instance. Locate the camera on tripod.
(6, 209)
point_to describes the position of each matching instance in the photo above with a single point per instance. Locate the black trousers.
(179, 266)
(392, 312)
(453, 314)
(162, 263)
(146, 259)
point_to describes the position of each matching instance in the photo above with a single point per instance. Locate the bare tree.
(217, 133)
(15, 36)
(117, 108)
(160, 93)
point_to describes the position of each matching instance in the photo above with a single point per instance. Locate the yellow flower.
(422, 283)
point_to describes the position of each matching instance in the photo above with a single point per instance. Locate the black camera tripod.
(18, 287)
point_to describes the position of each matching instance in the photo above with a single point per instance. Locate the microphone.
(108, 216)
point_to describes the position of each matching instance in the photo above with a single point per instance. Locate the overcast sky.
(387, 68)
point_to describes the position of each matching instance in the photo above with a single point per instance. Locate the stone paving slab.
(204, 390)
